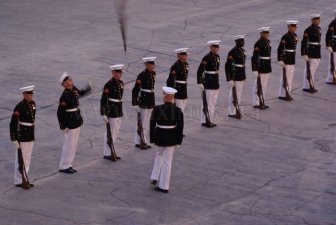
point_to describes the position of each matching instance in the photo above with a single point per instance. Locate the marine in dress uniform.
(286, 58)
(143, 96)
(208, 79)
(22, 131)
(70, 121)
(311, 50)
(261, 64)
(178, 77)
(111, 106)
(166, 131)
(235, 71)
(331, 47)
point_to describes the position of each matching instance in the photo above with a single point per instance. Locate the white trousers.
(26, 149)
(145, 118)
(115, 126)
(162, 166)
(239, 89)
(69, 148)
(264, 81)
(289, 75)
(330, 75)
(212, 96)
(313, 66)
(181, 103)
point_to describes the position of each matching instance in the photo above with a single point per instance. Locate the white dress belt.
(147, 90)
(181, 81)
(72, 110)
(115, 100)
(266, 58)
(165, 127)
(211, 72)
(314, 43)
(290, 50)
(239, 65)
(26, 124)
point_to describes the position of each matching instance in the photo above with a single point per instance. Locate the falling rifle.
(285, 83)
(114, 156)
(235, 101)
(22, 167)
(140, 132)
(205, 104)
(120, 6)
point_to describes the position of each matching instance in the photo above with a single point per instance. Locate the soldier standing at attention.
(286, 59)
(22, 134)
(143, 96)
(166, 131)
(111, 106)
(208, 79)
(178, 78)
(311, 52)
(261, 67)
(235, 72)
(70, 121)
(331, 47)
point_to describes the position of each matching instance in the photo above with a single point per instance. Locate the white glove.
(66, 130)
(255, 73)
(232, 83)
(201, 87)
(16, 144)
(104, 117)
(305, 58)
(330, 49)
(282, 64)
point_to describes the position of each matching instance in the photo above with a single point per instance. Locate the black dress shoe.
(68, 171)
(73, 170)
(109, 158)
(309, 90)
(262, 107)
(232, 116)
(161, 190)
(118, 158)
(25, 187)
(153, 182)
(331, 83)
(143, 147)
(286, 98)
(209, 125)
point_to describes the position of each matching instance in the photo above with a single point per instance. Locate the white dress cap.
(117, 67)
(240, 36)
(27, 88)
(264, 29)
(169, 90)
(63, 77)
(292, 22)
(214, 42)
(181, 50)
(315, 15)
(149, 59)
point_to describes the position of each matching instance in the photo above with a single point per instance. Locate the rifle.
(22, 167)
(140, 132)
(260, 92)
(309, 77)
(114, 156)
(206, 109)
(234, 96)
(285, 83)
(332, 67)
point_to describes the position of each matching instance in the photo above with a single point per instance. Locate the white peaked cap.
(181, 50)
(169, 90)
(315, 15)
(149, 59)
(292, 22)
(240, 36)
(117, 67)
(62, 78)
(214, 42)
(264, 29)
(27, 88)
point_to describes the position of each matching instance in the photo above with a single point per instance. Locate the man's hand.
(232, 83)
(201, 87)
(105, 118)
(305, 58)
(282, 64)
(16, 144)
(330, 49)
(66, 130)
(255, 73)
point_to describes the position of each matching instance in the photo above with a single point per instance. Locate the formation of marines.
(163, 124)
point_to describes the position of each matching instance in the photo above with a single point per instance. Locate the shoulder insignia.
(204, 62)
(16, 113)
(173, 73)
(106, 91)
(62, 104)
(256, 49)
(138, 81)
